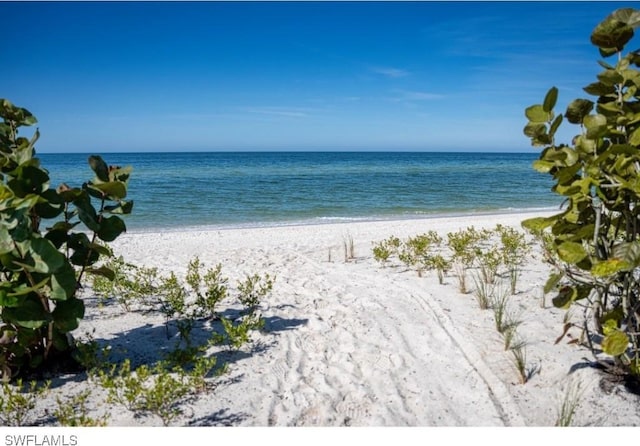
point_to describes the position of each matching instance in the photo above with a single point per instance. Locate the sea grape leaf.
(610, 77)
(611, 34)
(538, 224)
(543, 166)
(68, 313)
(596, 125)
(571, 252)
(609, 267)
(629, 16)
(537, 114)
(599, 89)
(550, 99)
(86, 212)
(120, 173)
(28, 180)
(111, 228)
(29, 314)
(555, 124)
(534, 129)
(566, 296)
(629, 252)
(63, 283)
(100, 168)
(45, 255)
(611, 320)
(113, 189)
(577, 110)
(6, 242)
(103, 271)
(553, 280)
(634, 138)
(124, 207)
(615, 343)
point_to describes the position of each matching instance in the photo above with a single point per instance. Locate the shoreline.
(322, 221)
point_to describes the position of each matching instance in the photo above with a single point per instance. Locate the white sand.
(357, 344)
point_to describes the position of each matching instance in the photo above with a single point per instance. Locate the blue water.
(179, 190)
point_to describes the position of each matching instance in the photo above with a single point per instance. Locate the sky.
(251, 76)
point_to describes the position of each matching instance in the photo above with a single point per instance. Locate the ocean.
(175, 191)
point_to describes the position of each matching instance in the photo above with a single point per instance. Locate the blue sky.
(192, 76)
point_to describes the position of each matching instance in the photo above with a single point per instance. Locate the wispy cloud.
(288, 112)
(390, 72)
(414, 96)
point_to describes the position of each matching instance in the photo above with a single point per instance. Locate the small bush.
(44, 269)
(253, 290)
(465, 247)
(73, 411)
(384, 250)
(18, 401)
(147, 390)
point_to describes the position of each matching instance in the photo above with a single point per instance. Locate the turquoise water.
(178, 190)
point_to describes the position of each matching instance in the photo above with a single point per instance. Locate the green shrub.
(514, 249)
(147, 390)
(595, 240)
(465, 247)
(216, 290)
(441, 264)
(489, 261)
(18, 401)
(42, 269)
(73, 411)
(384, 250)
(130, 285)
(253, 290)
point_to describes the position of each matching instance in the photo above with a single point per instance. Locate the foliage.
(441, 264)
(465, 246)
(382, 251)
(489, 261)
(89, 354)
(215, 285)
(253, 290)
(183, 302)
(42, 269)
(19, 400)
(73, 411)
(417, 252)
(147, 390)
(514, 249)
(237, 334)
(596, 238)
(129, 284)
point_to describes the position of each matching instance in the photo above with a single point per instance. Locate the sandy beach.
(358, 344)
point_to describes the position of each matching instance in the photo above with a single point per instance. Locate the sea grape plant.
(596, 237)
(43, 268)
